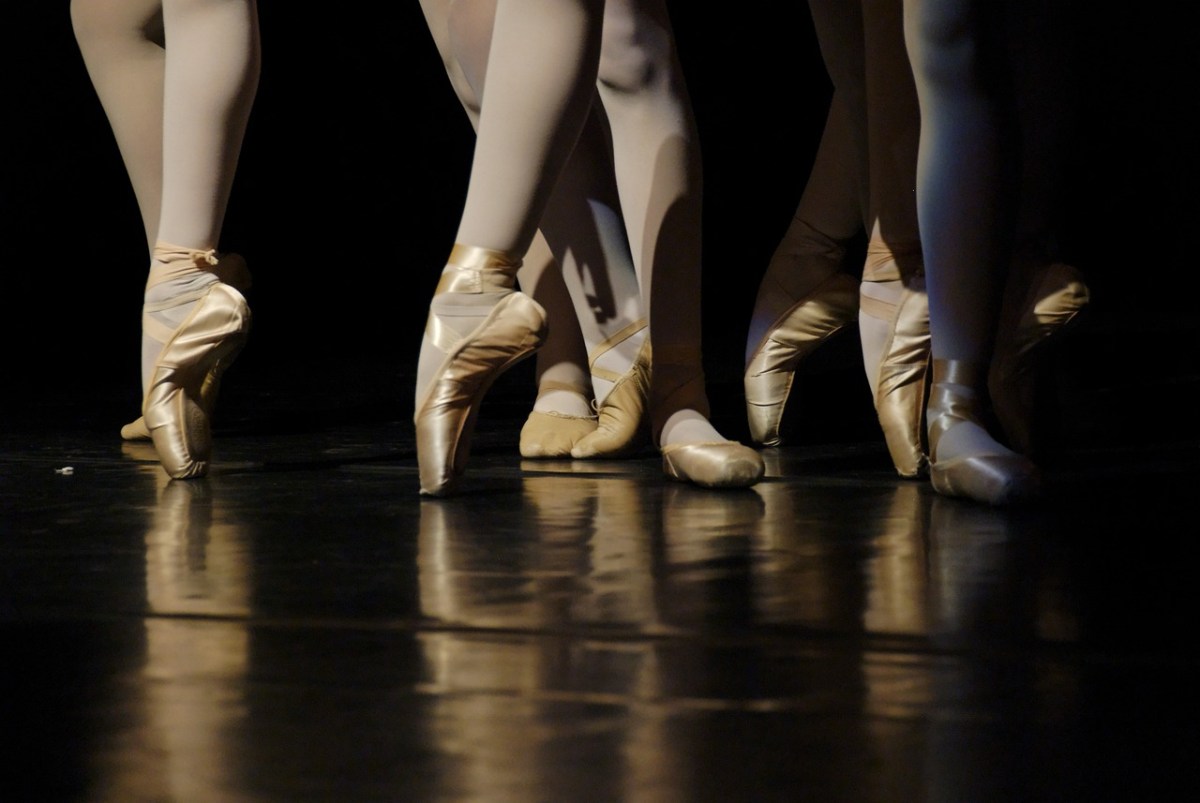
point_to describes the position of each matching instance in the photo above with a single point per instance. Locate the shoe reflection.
(197, 576)
(513, 589)
(706, 572)
(577, 551)
(894, 567)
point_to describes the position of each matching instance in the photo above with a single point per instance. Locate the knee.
(635, 50)
(469, 33)
(943, 48)
(94, 21)
(90, 19)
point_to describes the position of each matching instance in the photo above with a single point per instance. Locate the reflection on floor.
(302, 626)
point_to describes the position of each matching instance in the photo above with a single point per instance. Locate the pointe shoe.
(903, 374)
(620, 427)
(811, 321)
(199, 351)
(552, 434)
(137, 430)
(717, 464)
(991, 474)
(513, 329)
(232, 270)
(1051, 302)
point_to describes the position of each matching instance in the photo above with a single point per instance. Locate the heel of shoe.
(805, 326)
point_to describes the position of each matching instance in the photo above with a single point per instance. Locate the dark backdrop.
(355, 165)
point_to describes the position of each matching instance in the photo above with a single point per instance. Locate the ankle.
(476, 270)
(611, 360)
(677, 387)
(958, 396)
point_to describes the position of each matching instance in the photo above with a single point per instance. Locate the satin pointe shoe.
(717, 464)
(1052, 302)
(511, 330)
(810, 322)
(232, 270)
(552, 434)
(621, 417)
(902, 376)
(977, 467)
(137, 430)
(198, 352)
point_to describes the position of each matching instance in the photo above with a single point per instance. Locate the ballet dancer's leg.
(562, 412)
(122, 43)
(659, 180)
(965, 203)
(530, 117)
(1044, 293)
(593, 304)
(582, 225)
(585, 227)
(893, 307)
(804, 297)
(122, 46)
(194, 324)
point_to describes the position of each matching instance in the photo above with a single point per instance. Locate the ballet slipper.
(902, 375)
(808, 323)
(511, 330)
(986, 471)
(620, 427)
(551, 434)
(232, 270)
(1049, 304)
(716, 464)
(198, 352)
(704, 461)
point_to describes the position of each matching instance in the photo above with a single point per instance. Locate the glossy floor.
(302, 626)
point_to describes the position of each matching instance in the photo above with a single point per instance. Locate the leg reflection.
(194, 678)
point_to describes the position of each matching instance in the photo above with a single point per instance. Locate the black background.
(354, 170)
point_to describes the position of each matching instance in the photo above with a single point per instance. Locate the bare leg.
(122, 42)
